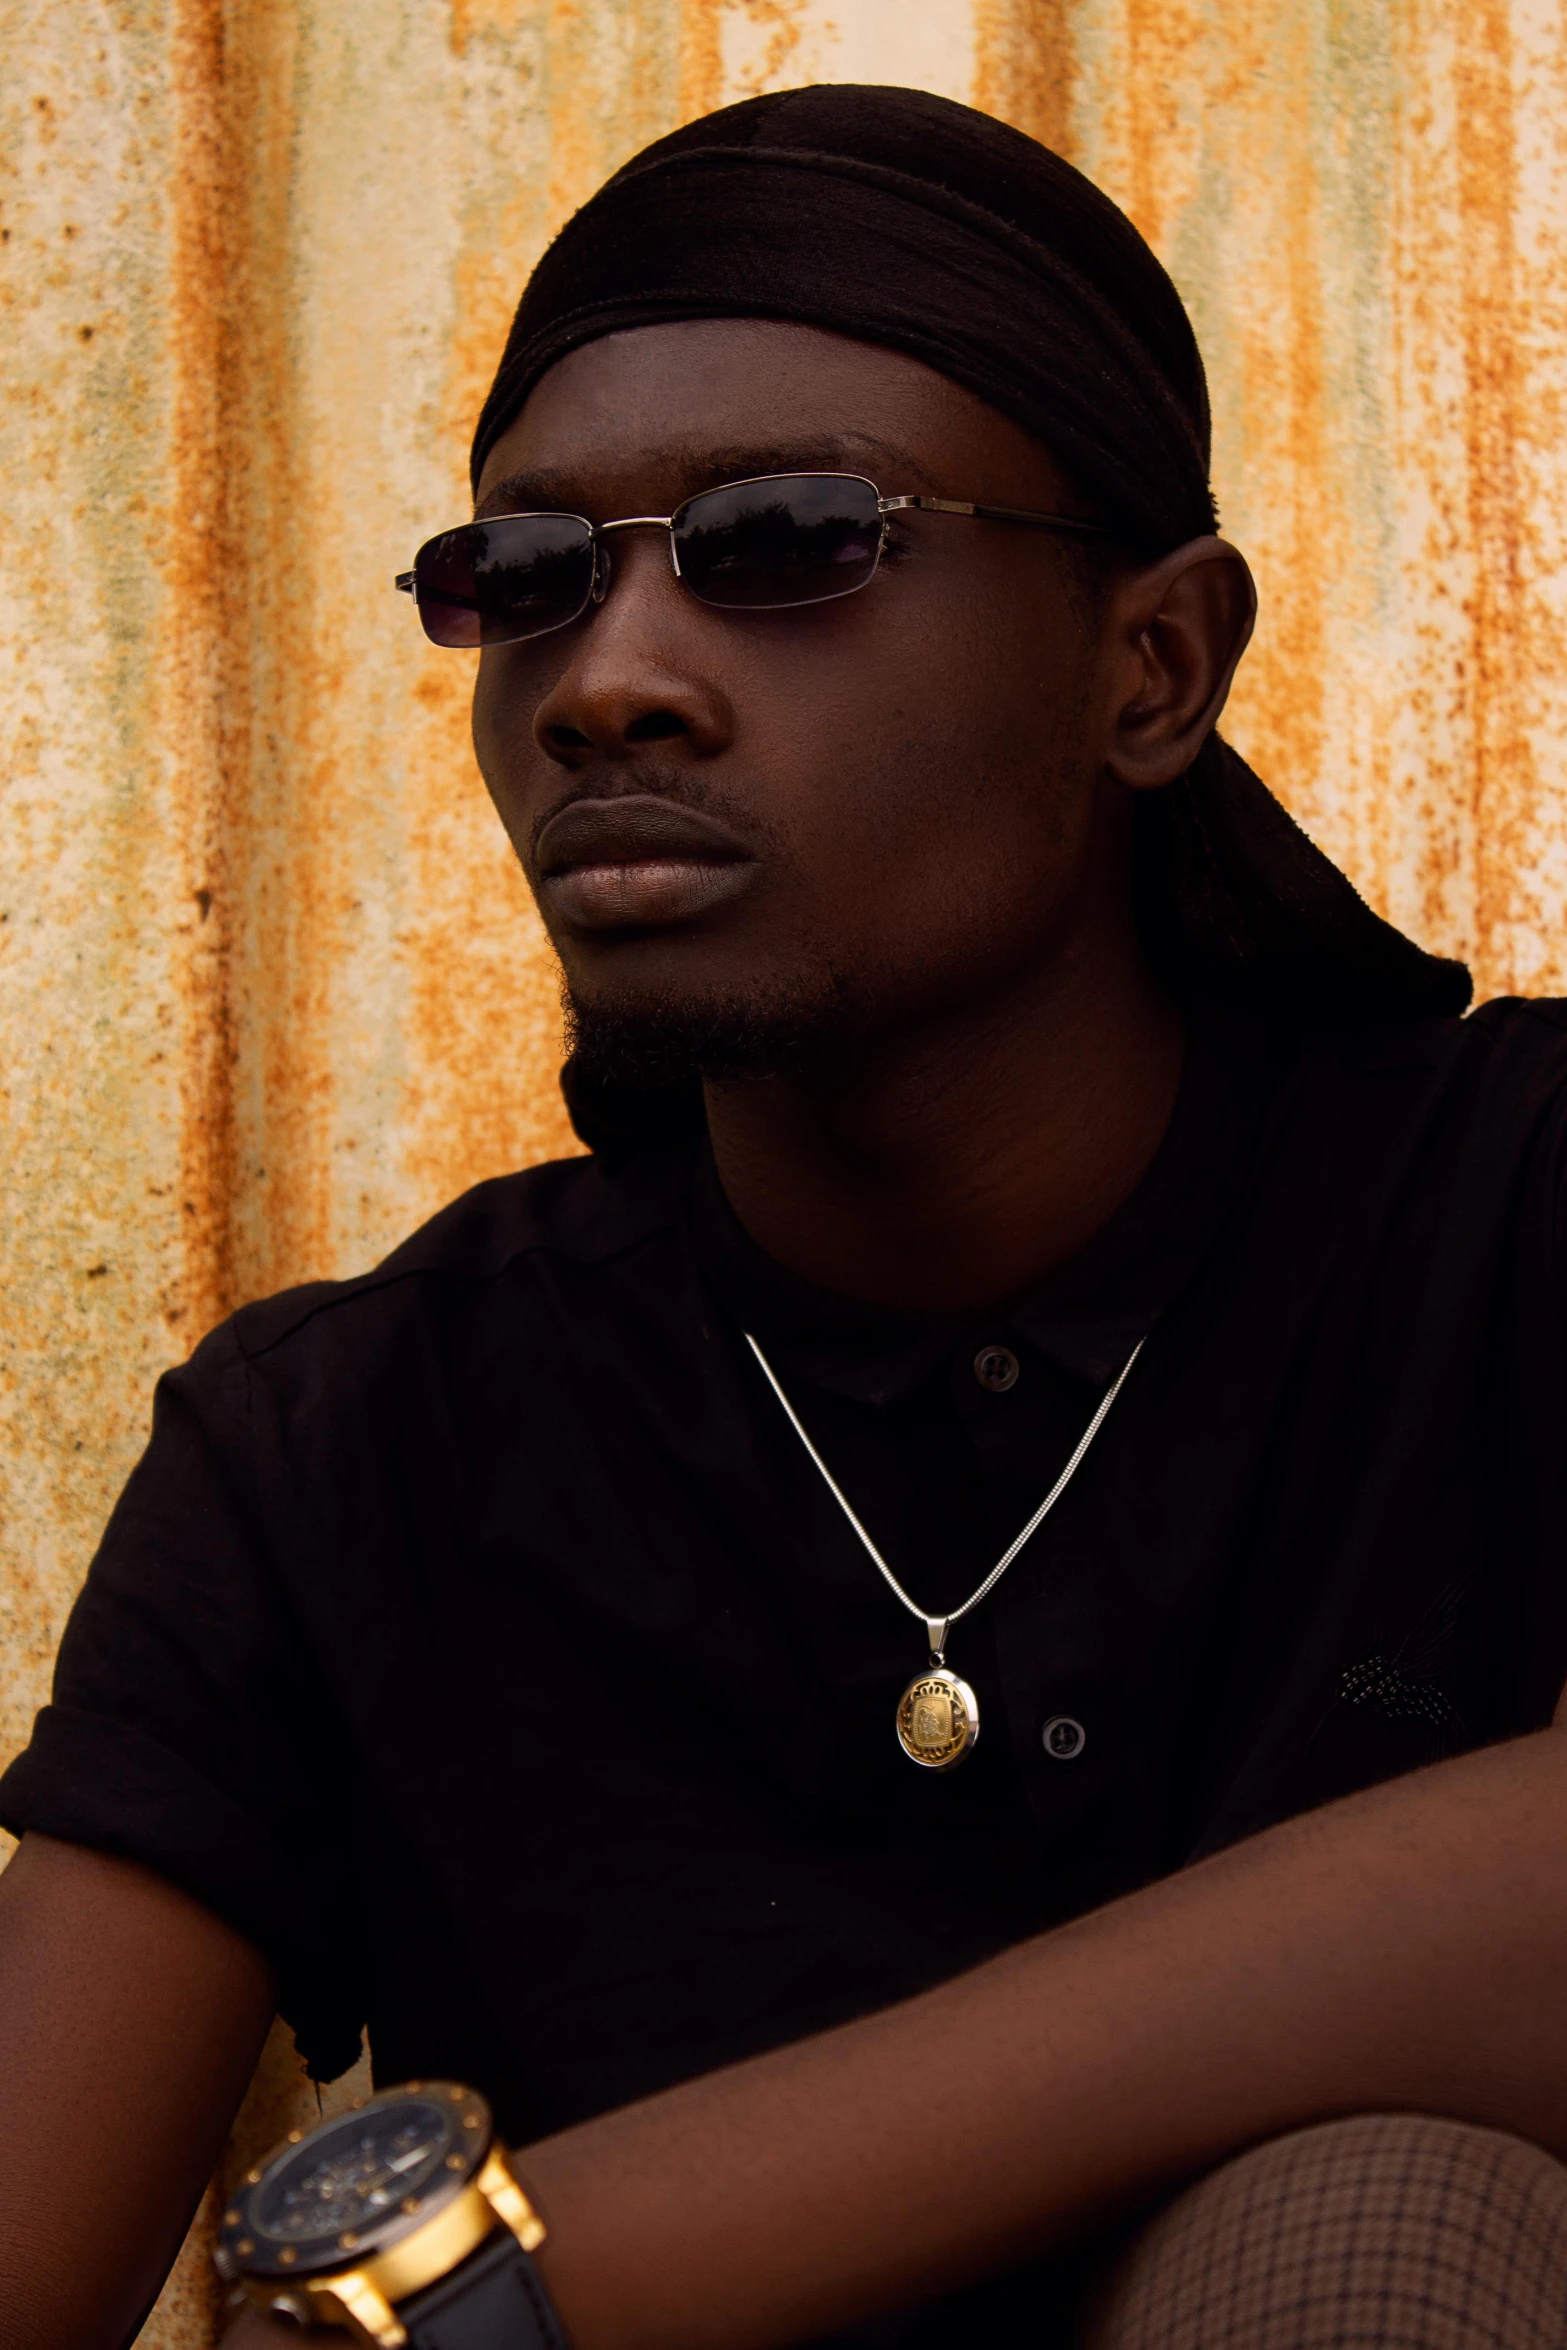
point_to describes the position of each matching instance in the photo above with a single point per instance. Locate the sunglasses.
(768, 544)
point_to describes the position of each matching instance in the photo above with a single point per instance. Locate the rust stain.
(1025, 67)
(701, 79)
(1504, 786)
(1143, 149)
(90, 947)
(198, 549)
(1200, 122)
(1481, 332)
(764, 38)
(1430, 769)
(1282, 393)
(772, 31)
(1342, 198)
(244, 675)
(483, 1095)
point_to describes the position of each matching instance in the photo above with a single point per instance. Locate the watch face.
(358, 2183)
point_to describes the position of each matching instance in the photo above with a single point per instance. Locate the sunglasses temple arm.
(1066, 522)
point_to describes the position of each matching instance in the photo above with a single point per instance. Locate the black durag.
(907, 220)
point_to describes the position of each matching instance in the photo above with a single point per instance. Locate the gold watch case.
(282, 2251)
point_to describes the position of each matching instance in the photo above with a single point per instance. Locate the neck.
(944, 1169)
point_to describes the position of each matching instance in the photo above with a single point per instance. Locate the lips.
(637, 863)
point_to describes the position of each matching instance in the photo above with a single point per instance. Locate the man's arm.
(130, 2023)
(1406, 1949)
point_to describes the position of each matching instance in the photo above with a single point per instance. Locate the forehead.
(650, 414)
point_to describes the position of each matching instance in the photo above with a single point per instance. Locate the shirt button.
(996, 1367)
(1062, 1738)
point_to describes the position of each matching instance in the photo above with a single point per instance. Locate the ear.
(1173, 633)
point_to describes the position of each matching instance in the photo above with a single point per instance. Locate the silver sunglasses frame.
(1074, 525)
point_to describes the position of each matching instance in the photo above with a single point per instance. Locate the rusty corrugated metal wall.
(269, 989)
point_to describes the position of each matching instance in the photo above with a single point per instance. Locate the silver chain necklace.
(938, 1715)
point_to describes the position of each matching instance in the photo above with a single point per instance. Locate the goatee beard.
(657, 1045)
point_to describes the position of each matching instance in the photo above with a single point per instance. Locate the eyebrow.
(541, 490)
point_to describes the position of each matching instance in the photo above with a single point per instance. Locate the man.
(562, 1650)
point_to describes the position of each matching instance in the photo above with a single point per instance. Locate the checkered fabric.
(1386, 2232)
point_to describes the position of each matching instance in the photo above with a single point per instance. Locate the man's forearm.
(1406, 1948)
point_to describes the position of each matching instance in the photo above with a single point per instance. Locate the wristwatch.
(399, 2221)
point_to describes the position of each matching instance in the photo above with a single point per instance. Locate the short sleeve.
(186, 1729)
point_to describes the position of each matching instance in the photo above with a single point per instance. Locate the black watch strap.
(493, 2300)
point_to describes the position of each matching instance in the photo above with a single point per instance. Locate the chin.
(658, 1036)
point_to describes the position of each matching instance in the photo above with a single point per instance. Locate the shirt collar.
(1086, 1316)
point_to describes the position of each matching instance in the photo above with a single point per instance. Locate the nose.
(643, 668)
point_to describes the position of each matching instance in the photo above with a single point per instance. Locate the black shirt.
(479, 1639)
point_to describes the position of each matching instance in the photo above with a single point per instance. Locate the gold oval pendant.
(938, 1719)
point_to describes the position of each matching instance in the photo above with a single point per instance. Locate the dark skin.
(930, 786)
(925, 788)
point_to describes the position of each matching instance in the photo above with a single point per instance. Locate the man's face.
(756, 830)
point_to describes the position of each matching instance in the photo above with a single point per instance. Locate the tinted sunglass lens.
(797, 538)
(490, 583)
